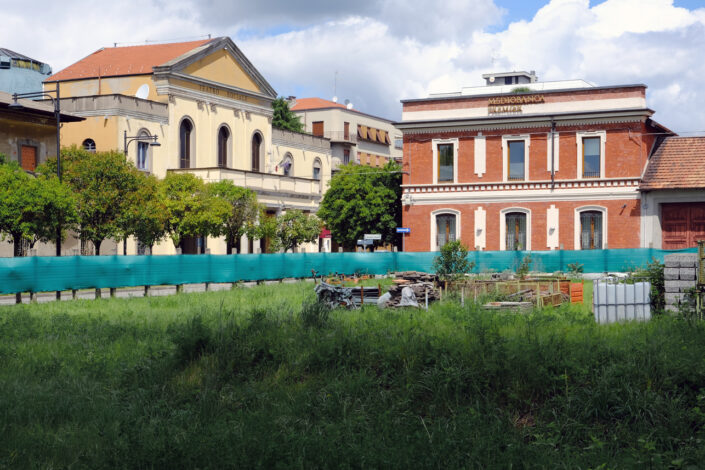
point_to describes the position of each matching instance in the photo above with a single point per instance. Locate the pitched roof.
(16, 55)
(130, 60)
(679, 163)
(304, 104)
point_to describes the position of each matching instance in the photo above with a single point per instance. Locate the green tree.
(294, 228)
(103, 183)
(191, 210)
(146, 216)
(284, 118)
(362, 200)
(452, 263)
(33, 209)
(244, 210)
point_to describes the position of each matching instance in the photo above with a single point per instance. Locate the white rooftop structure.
(499, 89)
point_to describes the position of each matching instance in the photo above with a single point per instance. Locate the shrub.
(453, 262)
(524, 266)
(653, 273)
(575, 268)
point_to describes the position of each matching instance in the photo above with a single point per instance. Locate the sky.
(377, 52)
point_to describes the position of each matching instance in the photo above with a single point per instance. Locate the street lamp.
(56, 101)
(127, 140)
(152, 139)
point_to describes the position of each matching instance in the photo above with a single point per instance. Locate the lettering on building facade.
(511, 104)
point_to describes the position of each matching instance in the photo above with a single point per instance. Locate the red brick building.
(521, 164)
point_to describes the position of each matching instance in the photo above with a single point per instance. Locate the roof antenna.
(209, 35)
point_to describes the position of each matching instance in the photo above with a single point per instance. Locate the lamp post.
(127, 140)
(56, 101)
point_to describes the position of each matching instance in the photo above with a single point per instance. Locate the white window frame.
(579, 145)
(505, 155)
(434, 144)
(503, 227)
(576, 225)
(434, 225)
(148, 163)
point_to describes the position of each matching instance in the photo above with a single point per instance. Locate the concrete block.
(672, 287)
(679, 286)
(681, 260)
(671, 274)
(674, 298)
(687, 274)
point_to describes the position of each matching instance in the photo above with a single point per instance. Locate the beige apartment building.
(354, 136)
(211, 113)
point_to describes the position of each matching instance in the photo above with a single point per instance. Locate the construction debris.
(420, 291)
(348, 297)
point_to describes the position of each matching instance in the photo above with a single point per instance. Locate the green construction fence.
(41, 274)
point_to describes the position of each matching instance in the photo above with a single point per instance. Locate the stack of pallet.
(415, 276)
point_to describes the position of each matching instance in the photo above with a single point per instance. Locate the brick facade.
(481, 190)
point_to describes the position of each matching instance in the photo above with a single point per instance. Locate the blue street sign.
(403, 230)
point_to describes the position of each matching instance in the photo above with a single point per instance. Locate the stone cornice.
(187, 93)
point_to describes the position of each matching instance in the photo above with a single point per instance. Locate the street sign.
(373, 236)
(403, 230)
(365, 242)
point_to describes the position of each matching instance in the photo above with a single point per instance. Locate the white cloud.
(387, 50)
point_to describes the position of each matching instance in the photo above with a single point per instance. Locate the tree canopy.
(284, 118)
(244, 210)
(33, 208)
(362, 200)
(294, 228)
(103, 183)
(146, 215)
(191, 210)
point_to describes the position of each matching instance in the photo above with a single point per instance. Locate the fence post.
(73, 293)
(112, 292)
(146, 291)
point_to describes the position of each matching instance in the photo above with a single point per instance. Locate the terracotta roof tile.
(131, 60)
(679, 163)
(315, 103)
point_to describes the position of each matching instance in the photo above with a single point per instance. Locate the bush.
(575, 268)
(524, 267)
(453, 262)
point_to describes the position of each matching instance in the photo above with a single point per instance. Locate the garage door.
(682, 224)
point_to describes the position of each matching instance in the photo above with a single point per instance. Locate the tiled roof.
(679, 163)
(131, 60)
(303, 104)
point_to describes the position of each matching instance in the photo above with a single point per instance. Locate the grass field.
(264, 378)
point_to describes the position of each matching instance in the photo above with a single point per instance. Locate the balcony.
(340, 136)
(261, 183)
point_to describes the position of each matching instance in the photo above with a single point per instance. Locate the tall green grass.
(265, 378)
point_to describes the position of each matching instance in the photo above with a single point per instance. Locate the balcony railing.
(591, 174)
(340, 136)
(259, 182)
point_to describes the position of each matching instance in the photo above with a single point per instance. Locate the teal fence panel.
(40, 274)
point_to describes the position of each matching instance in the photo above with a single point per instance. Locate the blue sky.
(388, 50)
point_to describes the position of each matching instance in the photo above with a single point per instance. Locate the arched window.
(287, 164)
(143, 153)
(591, 230)
(317, 169)
(445, 229)
(256, 151)
(185, 143)
(89, 145)
(515, 230)
(223, 145)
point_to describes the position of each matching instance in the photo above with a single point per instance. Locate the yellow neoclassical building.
(211, 113)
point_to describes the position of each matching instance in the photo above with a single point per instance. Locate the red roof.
(679, 163)
(131, 60)
(303, 104)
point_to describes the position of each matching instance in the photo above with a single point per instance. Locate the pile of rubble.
(410, 289)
